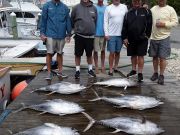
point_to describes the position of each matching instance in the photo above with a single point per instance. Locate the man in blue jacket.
(55, 27)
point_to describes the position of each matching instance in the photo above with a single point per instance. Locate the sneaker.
(116, 70)
(140, 77)
(133, 72)
(161, 80)
(109, 73)
(49, 76)
(77, 75)
(154, 77)
(91, 73)
(60, 74)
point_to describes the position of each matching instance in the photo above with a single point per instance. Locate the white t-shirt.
(113, 19)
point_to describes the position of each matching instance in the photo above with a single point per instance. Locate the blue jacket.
(55, 20)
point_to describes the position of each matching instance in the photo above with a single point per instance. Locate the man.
(83, 17)
(136, 31)
(99, 41)
(55, 27)
(164, 18)
(113, 22)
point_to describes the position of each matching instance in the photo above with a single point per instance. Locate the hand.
(68, 39)
(126, 42)
(107, 37)
(43, 38)
(160, 24)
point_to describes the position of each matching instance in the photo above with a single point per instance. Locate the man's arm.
(73, 15)
(125, 30)
(44, 20)
(149, 23)
(173, 20)
(68, 24)
(106, 24)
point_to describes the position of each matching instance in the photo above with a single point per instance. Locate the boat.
(4, 87)
(27, 42)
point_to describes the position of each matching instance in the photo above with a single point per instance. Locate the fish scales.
(62, 88)
(131, 101)
(49, 129)
(56, 106)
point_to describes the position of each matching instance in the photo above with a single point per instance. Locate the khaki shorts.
(55, 45)
(99, 44)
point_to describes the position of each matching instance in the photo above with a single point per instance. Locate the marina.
(86, 106)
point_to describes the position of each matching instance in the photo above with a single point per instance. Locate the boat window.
(24, 14)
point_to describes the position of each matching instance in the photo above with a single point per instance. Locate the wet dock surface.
(166, 116)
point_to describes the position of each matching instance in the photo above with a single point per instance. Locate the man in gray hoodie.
(83, 17)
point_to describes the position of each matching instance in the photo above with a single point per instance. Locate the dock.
(166, 116)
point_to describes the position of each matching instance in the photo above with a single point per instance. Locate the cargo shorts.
(55, 45)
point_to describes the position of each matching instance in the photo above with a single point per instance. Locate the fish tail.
(34, 90)
(10, 132)
(20, 109)
(97, 97)
(91, 121)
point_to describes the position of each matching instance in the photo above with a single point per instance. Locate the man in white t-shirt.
(113, 22)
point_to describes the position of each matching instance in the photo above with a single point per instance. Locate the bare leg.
(103, 61)
(89, 60)
(77, 60)
(111, 61)
(48, 61)
(96, 62)
(155, 64)
(117, 56)
(134, 62)
(60, 61)
(140, 63)
(162, 66)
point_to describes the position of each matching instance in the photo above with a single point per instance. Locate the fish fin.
(41, 113)
(95, 99)
(50, 93)
(34, 90)
(122, 94)
(89, 86)
(125, 87)
(98, 98)
(21, 108)
(116, 131)
(91, 121)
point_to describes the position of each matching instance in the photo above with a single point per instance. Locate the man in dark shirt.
(83, 17)
(136, 32)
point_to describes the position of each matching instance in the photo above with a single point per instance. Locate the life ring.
(18, 89)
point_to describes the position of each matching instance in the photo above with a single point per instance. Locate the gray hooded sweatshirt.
(83, 17)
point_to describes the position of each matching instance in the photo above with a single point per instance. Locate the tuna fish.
(131, 101)
(62, 88)
(49, 129)
(55, 106)
(118, 82)
(128, 125)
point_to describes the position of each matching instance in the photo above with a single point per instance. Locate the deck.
(166, 116)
